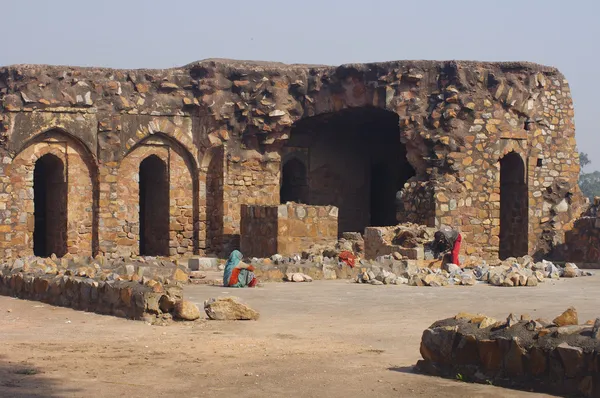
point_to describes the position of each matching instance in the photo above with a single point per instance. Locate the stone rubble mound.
(511, 272)
(559, 356)
(524, 272)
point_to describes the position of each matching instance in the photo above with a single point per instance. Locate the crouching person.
(446, 241)
(237, 273)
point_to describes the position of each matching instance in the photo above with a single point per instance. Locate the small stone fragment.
(569, 317)
(487, 322)
(511, 320)
(532, 281)
(197, 275)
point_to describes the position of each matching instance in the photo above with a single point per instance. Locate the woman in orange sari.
(237, 273)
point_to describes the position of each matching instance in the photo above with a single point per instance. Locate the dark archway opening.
(49, 207)
(514, 207)
(154, 207)
(383, 191)
(356, 162)
(294, 184)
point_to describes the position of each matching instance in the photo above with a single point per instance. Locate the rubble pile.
(352, 242)
(314, 266)
(511, 272)
(559, 356)
(407, 240)
(524, 272)
(394, 269)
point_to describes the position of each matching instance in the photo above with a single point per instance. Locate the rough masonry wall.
(286, 229)
(259, 231)
(531, 115)
(456, 120)
(252, 182)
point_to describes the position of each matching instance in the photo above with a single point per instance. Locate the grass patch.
(27, 371)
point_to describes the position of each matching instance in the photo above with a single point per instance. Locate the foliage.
(589, 183)
(584, 159)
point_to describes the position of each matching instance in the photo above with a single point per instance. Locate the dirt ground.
(320, 339)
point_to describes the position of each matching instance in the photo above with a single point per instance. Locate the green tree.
(584, 159)
(589, 183)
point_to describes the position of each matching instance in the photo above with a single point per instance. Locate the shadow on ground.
(22, 380)
(402, 369)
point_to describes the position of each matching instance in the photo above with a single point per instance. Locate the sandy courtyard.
(320, 339)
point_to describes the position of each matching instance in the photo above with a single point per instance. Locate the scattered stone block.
(186, 310)
(229, 308)
(197, 263)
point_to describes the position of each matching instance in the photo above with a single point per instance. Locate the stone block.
(197, 263)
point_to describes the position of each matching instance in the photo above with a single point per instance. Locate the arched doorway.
(50, 207)
(356, 162)
(514, 206)
(154, 207)
(294, 186)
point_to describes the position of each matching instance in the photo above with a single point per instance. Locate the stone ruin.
(177, 162)
(558, 357)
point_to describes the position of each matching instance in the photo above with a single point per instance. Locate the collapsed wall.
(486, 147)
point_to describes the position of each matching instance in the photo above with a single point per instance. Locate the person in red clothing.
(447, 241)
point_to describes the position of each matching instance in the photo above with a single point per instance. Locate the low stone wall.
(558, 357)
(135, 290)
(286, 229)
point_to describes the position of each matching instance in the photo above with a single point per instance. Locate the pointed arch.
(80, 175)
(183, 188)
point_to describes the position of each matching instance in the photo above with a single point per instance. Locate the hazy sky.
(159, 34)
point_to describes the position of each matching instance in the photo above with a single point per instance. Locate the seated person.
(446, 240)
(237, 273)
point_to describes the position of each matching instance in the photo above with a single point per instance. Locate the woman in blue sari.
(237, 273)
